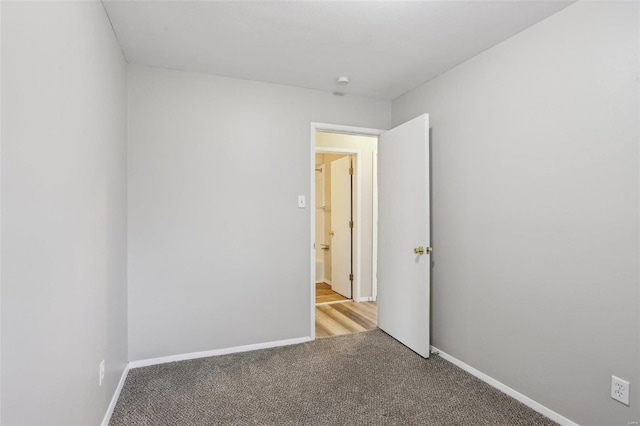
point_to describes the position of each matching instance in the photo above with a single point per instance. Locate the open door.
(341, 241)
(404, 241)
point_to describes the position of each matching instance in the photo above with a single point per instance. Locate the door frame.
(374, 242)
(347, 130)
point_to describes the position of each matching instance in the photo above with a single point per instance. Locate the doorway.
(403, 259)
(344, 213)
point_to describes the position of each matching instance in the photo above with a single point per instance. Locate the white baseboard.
(326, 282)
(216, 352)
(112, 405)
(558, 418)
(366, 299)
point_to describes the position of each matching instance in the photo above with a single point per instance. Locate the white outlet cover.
(620, 390)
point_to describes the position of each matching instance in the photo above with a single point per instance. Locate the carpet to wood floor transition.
(366, 378)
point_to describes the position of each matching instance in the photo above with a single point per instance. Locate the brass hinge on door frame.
(351, 170)
(350, 224)
(350, 277)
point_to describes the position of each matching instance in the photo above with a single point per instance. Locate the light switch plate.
(302, 202)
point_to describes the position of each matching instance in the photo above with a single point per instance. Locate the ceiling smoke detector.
(343, 81)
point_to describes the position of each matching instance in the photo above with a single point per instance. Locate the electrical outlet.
(620, 390)
(101, 373)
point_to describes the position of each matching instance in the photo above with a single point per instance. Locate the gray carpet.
(359, 379)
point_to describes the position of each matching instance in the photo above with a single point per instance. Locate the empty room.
(319, 212)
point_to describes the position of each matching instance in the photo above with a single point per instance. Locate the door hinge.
(350, 224)
(351, 170)
(350, 277)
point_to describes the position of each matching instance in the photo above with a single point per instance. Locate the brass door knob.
(421, 250)
(332, 233)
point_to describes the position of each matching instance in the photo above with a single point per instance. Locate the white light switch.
(302, 202)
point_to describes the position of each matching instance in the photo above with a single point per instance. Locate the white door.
(403, 228)
(340, 231)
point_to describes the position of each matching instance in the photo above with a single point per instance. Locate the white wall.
(535, 220)
(63, 212)
(218, 250)
(368, 145)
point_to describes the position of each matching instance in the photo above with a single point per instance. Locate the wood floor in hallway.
(345, 318)
(324, 294)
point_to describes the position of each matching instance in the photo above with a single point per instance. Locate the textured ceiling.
(386, 47)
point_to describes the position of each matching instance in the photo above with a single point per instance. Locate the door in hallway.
(341, 235)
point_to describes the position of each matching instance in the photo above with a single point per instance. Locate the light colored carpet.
(360, 379)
